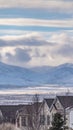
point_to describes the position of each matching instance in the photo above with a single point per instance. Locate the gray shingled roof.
(49, 102)
(9, 112)
(66, 101)
(29, 108)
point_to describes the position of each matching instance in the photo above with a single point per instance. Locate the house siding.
(45, 111)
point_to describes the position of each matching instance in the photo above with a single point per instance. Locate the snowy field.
(23, 96)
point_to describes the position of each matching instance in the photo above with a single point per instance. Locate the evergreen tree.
(58, 122)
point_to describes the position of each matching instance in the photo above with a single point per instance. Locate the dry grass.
(7, 126)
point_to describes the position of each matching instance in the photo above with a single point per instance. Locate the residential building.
(63, 105)
(45, 115)
(26, 117)
(8, 113)
(38, 115)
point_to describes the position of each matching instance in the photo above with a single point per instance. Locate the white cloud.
(23, 40)
(36, 22)
(59, 5)
(61, 38)
(56, 50)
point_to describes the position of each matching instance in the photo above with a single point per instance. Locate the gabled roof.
(49, 101)
(24, 110)
(29, 108)
(9, 112)
(66, 101)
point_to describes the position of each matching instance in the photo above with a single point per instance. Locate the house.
(35, 115)
(22, 116)
(38, 115)
(45, 115)
(27, 117)
(63, 105)
(8, 113)
(69, 112)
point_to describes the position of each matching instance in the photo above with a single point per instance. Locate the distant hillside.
(13, 76)
(16, 76)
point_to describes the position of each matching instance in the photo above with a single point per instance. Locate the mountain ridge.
(10, 75)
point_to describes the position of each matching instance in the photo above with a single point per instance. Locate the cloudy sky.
(36, 32)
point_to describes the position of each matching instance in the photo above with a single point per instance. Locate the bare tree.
(34, 114)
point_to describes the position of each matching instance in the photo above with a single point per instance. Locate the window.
(23, 119)
(42, 119)
(48, 120)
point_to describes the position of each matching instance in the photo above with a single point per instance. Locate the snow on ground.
(23, 96)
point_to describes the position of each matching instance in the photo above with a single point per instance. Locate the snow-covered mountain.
(16, 76)
(13, 76)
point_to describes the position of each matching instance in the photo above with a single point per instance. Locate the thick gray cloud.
(30, 41)
(3, 43)
(66, 50)
(64, 45)
(21, 55)
(34, 51)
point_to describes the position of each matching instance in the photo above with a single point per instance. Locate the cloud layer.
(21, 55)
(60, 5)
(36, 32)
(37, 22)
(27, 40)
(30, 50)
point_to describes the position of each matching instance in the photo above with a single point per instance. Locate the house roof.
(9, 112)
(66, 101)
(28, 109)
(24, 110)
(49, 101)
